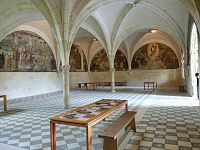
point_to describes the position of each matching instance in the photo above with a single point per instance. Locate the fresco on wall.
(155, 56)
(120, 61)
(100, 62)
(25, 51)
(77, 60)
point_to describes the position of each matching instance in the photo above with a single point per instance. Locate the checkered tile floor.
(175, 128)
(163, 121)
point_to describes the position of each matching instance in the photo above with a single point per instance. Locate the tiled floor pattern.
(175, 128)
(26, 124)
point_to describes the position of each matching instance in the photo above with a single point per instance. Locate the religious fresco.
(120, 61)
(100, 62)
(24, 51)
(77, 60)
(155, 56)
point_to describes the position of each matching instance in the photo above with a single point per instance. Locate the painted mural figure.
(121, 63)
(26, 51)
(100, 62)
(153, 59)
(155, 56)
(77, 59)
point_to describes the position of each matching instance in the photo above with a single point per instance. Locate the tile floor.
(166, 119)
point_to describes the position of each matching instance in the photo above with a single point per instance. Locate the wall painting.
(121, 63)
(100, 62)
(155, 56)
(25, 51)
(77, 60)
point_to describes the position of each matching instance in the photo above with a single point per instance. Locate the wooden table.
(86, 117)
(4, 101)
(154, 84)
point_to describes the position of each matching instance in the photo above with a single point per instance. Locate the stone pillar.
(129, 66)
(182, 68)
(65, 72)
(112, 70)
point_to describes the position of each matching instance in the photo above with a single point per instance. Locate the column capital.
(65, 68)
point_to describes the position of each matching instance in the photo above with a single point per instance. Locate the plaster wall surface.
(77, 77)
(23, 84)
(166, 78)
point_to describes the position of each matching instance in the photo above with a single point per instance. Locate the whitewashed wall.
(167, 78)
(78, 77)
(22, 84)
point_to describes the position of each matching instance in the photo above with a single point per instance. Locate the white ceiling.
(115, 23)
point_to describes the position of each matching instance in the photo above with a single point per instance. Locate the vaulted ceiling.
(115, 23)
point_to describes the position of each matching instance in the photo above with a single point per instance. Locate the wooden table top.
(88, 114)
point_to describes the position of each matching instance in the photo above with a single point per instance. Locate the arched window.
(194, 52)
(194, 58)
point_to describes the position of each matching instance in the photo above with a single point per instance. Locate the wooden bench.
(154, 85)
(120, 83)
(79, 85)
(109, 84)
(113, 133)
(4, 101)
(87, 84)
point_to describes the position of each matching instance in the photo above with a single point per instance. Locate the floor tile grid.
(34, 138)
(166, 128)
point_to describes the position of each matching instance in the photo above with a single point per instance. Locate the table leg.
(53, 135)
(5, 103)
(133, 126)
(144, 86)
(89, 137)
(86, 86)
(126, 107)
(153, 86)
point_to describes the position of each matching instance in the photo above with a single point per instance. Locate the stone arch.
(100, 62)
(120, 61)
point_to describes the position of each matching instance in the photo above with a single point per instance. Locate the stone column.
(65, 72)
(112, 70)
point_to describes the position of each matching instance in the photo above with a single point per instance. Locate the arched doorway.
(194, 57)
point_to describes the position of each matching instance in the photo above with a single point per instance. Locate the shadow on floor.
(11, 112)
